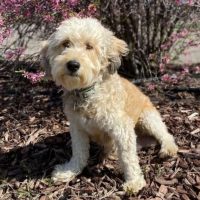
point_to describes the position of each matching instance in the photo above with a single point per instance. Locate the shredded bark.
(34, 137)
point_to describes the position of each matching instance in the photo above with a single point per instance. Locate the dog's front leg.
(125, 138)
(80, 154)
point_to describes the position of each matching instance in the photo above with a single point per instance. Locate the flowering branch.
(41, 13)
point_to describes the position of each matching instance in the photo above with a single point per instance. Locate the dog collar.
(83, 93)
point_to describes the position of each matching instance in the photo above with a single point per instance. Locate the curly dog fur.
(83, 57)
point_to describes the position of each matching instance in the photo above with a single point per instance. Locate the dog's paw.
(169, 149)
(62, 174)
(134, 186)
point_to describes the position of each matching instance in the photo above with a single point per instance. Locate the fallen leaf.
(31, 119)
(193, 116)
(162, 181)
(34, 135)
(185, 197)
(43, 198)
(195, 131)
(162, 192)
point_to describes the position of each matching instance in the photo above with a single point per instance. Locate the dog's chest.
(89, 117)
(91, 126)
(94, 128)
(98, 113)
(93, 116)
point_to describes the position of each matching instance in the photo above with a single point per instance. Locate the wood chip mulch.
(34, 137)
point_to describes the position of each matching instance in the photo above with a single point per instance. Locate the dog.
(83, 56)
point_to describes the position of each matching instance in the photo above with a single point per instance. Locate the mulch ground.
(34, 138)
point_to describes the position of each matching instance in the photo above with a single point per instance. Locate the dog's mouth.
(72, 74)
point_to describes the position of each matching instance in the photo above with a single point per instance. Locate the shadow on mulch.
(22, 100)
(37, 161)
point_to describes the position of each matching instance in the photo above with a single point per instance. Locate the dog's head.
(79, 51)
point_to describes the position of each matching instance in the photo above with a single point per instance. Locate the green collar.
(83, 93)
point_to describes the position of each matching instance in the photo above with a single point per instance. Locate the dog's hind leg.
(150, 123)
(80, 154)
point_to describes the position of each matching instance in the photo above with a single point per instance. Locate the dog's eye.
(89, 47)
(66, 43)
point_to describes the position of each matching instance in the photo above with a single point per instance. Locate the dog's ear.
(117, 49)
(44, 61)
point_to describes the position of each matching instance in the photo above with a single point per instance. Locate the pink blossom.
(197, 70)
(169, 78)
(48, 18)
(151, 86)
(19, 50)
(1, 21)
(9, 54)
(165, 46)
(173, 39)
(185, 70)
(166, 59)
(1, 39)
(13, 53)
(72, 2)
(92, 9)
(65, 15)
(183, 33)
(33, 77)
(165, 78)
(6, 33)
(190, 2)
(162, 67)
(1, 8)
(56, 2)
(27, 13)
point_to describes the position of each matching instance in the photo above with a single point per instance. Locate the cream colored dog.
(83, 57)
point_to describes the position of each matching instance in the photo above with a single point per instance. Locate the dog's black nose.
(73, 65)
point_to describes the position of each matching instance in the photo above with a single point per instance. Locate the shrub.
(36, 15)
(147, 26)
(150, 27)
